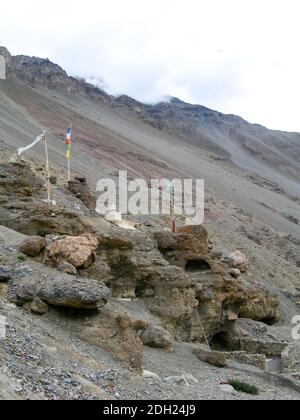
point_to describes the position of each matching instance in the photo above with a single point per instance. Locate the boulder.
(158, 338)
(33, 246)
(27, 289)
(75, 250)
(75, 293)
(214, 358)
(5, 274)
(239, 261)
(222, 300)
(67, 268)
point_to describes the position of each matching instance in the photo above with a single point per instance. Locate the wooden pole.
(173, 209)
(69, 160)
(47, 168)
(69, 170)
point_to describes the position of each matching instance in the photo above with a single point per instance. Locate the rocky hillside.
(250, 146)
(249, 166)
(39, 72)
(100, 310)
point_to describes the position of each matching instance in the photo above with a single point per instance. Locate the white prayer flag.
(37, 140)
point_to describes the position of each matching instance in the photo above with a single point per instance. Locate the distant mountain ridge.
(228, 136)
(249, 146)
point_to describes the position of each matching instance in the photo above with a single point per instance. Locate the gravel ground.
(41, 358)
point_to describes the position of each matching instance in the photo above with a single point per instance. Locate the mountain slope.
(249, 146)
(110, 134)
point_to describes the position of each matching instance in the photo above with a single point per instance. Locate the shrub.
(244, 387)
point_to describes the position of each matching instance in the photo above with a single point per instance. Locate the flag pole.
(47, 166)
(69, 157)
(173, 211)
(69, 170)
(172, 199)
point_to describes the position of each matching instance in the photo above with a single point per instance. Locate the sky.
(235, 56)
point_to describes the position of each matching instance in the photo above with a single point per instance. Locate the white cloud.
(235, 56)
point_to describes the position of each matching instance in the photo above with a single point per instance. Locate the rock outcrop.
(24, 209)
(190, 294)
(179, 280)
(261, 306)
(189, 243)
(77, 251)
(221, 298)
(80, 189)
(18, 180)
(119, 333)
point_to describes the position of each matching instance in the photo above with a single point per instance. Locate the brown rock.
(239, 261)
(261, 306)
(75, 250)
(33, 246)
(158, 338)
(214, 358)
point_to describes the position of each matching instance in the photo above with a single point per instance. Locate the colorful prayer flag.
(68, 143)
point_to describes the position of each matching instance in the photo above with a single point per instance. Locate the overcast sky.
(236, 56)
